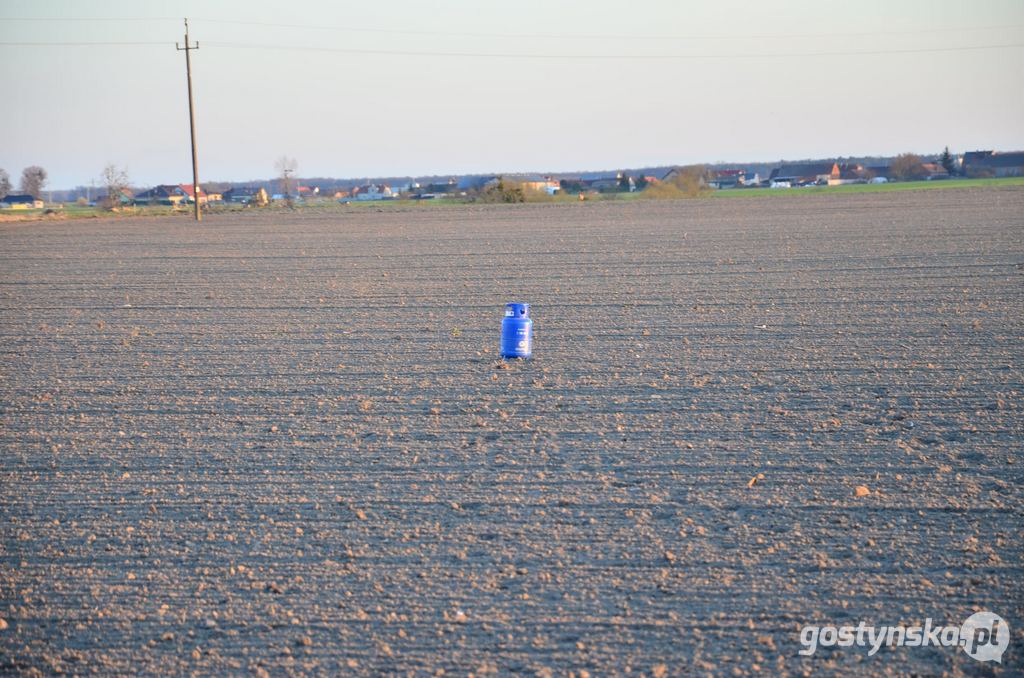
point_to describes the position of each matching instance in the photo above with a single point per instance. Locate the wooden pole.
(192, 122)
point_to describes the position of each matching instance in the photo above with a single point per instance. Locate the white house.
(373, 192)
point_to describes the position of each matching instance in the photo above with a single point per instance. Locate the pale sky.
(457, 87)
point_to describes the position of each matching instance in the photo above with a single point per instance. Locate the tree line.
(910, 167)
(32, 181)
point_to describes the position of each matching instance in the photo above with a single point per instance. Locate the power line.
(527, 55)
(50, 19)
(560, 36)
(646, 57)
(162, 43)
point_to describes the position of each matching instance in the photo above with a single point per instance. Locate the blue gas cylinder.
(516, 331)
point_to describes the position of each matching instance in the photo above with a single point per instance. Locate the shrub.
(688, 182)
(502, 193)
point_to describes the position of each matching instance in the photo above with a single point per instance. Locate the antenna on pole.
(191, 120)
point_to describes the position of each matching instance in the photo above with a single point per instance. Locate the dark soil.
(284, 442)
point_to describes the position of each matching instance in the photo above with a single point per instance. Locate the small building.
(697, 173)
(993, 164)
(408, 188)
(727, 178)
(187, 189)
(372, 192)
(123, 198)
(847, 173)
(802, 174)
(451, 186)
(246, 195)
(604, 184)
(533, 182)
(164, 194)
(21, 201)
(934, 171)
(473, 183)
(542, 184)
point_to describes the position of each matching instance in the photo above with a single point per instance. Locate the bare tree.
(285, 167)
(907, 167)
(692, 180)
(5, 183)
(116, 181)
(32, 181)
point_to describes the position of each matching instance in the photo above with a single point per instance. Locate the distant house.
(164, 194)
(246, 195)
(473, 182)
(533, 182)
(933, 171)
(452, 185)
(122, 198)
(592, 182)
(21, 202)
(696, 171)
(670, 174)
(602, 185)
(545, 184)
(727, 178)
(372, 192)
(750, 179)
(187, 189)
(993, 164)
(574, 185)
(407, 187)
(606, 183)
(846, 173)
(238, 194)
(803, 173)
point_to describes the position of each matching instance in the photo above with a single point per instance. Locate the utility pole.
(191, 120)
(288, 187)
